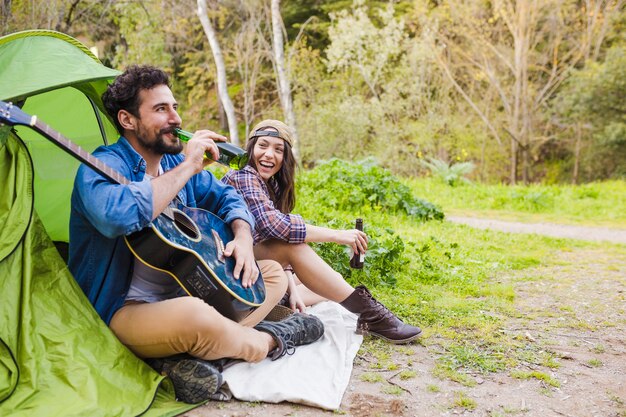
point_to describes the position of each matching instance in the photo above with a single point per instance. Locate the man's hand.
(202, 142)
(241, 249)
(166, 186)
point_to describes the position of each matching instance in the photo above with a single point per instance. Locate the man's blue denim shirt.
(104, 212)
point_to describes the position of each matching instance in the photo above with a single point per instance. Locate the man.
(143, 306)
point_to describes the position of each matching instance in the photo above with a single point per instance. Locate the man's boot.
(195, 380)
(296, 330)
(376, 319)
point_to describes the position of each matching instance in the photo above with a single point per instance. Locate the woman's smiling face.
(268, 155)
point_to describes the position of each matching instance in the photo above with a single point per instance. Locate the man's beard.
(159, 146)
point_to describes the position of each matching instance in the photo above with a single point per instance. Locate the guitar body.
(187, 243)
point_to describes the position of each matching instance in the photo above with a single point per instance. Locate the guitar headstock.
(12, 115)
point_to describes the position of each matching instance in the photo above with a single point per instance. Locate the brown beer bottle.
(358, 259)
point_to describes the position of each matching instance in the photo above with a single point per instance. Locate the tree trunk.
(525, 165)
(519, 117)
(5, 15)
(513, 175)
(221, 115)
(284, 87)
(222, 85)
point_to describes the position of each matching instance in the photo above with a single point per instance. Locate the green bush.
(385, 256)
(350, 186)
(337, 191)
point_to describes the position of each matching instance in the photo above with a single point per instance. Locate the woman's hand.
(354, 238)
(295, 301)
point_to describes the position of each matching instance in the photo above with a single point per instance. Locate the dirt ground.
(556, 230)
(575, 310)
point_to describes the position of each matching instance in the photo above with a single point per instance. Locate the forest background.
(524, 90)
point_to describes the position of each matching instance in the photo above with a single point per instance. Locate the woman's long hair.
(285, 199)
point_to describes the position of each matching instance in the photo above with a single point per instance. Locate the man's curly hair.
(123, 93)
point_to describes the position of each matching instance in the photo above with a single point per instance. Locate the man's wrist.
(241, 229)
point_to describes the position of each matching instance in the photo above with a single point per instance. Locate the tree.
(522, 50)
(142, 41)
(88, 18)
(356, 42)
(592, 101)
(222, 84)
(282, 74)
(5, 14)
(251, 52)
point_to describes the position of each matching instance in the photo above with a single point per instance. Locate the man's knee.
(273, 273)
(194, 313)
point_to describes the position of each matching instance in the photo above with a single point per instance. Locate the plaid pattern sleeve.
(270, 222)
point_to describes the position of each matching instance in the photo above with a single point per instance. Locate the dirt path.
(547, 229)
(572, 313)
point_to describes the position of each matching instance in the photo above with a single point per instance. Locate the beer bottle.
(230, 155)
(358, 259)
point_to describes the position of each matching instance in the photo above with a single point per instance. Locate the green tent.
(56, 356)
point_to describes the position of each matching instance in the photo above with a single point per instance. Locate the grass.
(594, 363)
(407, 374)
(446, 277)
(462, 400)
(595, 204)
(599, 349)
(433, 388)
(450, 287)
(538, 375)
(372, 377)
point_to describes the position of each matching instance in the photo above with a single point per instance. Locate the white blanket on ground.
(317, 374)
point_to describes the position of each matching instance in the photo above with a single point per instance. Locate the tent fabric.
(37, 61)
(15, 212)
(62, 83)
(57, 358)
(68, 111)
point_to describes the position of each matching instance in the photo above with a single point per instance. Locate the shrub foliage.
(337, 191)
(350, 186)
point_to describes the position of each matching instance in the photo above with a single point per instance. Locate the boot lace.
(380, 311)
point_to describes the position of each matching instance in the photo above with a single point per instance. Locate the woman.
(267, 185)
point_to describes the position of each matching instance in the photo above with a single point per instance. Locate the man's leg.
(275, 286)
(189, 325)
(185, 325)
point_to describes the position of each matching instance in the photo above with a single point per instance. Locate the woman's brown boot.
(376, 319)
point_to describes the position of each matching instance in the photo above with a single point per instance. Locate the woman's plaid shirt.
(270, 222)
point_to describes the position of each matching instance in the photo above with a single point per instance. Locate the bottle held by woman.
(358, 259)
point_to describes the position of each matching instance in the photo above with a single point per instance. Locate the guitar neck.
(79, 153)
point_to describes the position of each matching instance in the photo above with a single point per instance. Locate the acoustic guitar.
(186, 243)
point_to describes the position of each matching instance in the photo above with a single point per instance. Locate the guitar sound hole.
(185, 225)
